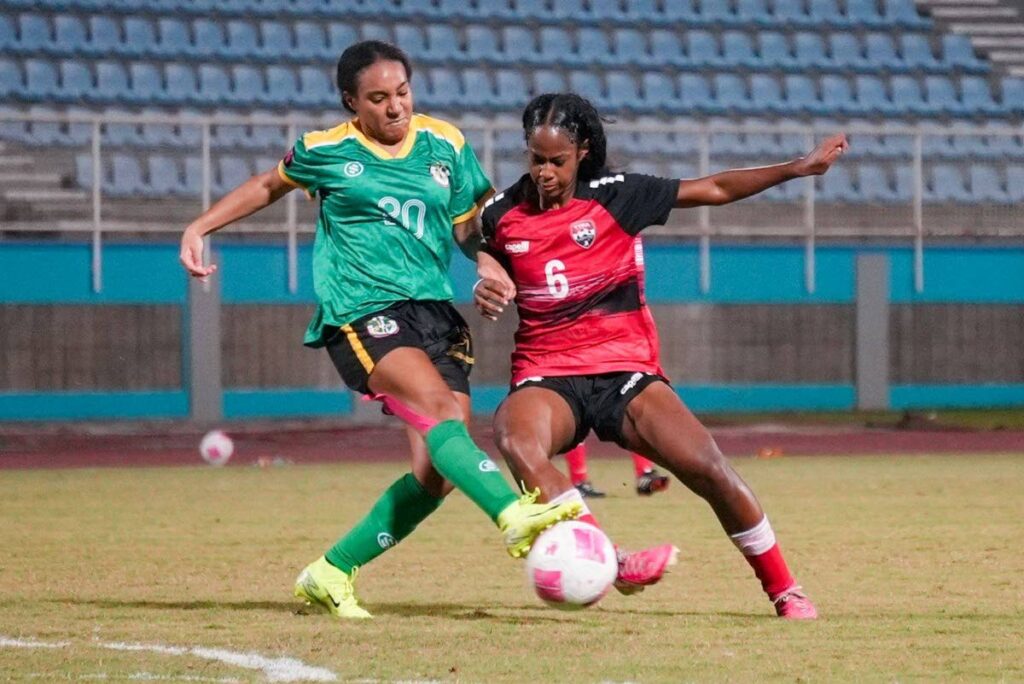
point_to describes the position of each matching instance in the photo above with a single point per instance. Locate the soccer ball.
(572, 565)
(216, 448)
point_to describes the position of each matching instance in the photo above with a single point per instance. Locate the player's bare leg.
(659, 426)
(532, 425)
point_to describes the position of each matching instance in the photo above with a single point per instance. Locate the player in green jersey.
(393, 187)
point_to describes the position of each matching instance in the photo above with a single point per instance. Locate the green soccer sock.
(465, 465)
(396, 514)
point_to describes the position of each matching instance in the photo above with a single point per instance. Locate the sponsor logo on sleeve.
(385, 540)
(516, 247)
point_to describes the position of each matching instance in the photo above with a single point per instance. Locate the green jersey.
(384, 233)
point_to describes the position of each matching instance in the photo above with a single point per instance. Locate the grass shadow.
(282, 606)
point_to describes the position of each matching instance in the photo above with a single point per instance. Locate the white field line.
(274, 669)
(135, 677)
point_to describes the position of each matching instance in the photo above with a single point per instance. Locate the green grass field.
(914, 563)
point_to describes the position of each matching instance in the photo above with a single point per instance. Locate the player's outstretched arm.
(249, 197)
(730, 186)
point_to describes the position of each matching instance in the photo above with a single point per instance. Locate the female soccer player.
(392, 185)
(586, 354)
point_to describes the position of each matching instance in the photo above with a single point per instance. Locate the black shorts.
(435, 327)
(598, 402)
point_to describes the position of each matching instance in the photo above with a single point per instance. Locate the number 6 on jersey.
(558, 284)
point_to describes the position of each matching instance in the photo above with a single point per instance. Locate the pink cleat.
(793, 604)
(642, 568)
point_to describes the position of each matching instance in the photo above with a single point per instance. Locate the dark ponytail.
(358, 56)
(580, 121)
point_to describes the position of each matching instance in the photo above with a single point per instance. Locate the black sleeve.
(635, 200)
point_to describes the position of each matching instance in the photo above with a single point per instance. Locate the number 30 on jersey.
(401, 213)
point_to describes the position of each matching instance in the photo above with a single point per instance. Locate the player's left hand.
(823, 156)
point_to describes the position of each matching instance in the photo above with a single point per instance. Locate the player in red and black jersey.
(586, 353)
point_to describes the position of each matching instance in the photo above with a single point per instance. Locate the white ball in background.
(216, 448)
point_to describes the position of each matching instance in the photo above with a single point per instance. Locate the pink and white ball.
(216, 448)
(572, 565)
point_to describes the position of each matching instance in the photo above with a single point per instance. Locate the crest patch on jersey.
(381, 326)
(583, 233)
(353, 169)
(440, 173)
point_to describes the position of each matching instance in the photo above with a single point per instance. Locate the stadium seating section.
(752, 61)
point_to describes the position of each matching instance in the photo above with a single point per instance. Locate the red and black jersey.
(579, 271)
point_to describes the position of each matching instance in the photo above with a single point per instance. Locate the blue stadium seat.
(738, 50)
(791, 13)
(569, 10)
(681, 169)
(587, 84)
(809, 51)
(548, 81)
(497, 9)
(508, 172)
(413, 42)
(40, 81)
(940, 94)
(121, 133)
(111, 83)
(8, 35)
(37, 132)
(802, 95)
(702, 49)
(34, 34)
(159, 134)
(210, 40)
(904, 14)
(482, 45)
(865, 13)
(193, 177)
(766, 94)
(986, 185)
(974, 147)
(947, 185)
(527, 9)
(695, 96)
(105, 38)
(214, 85)
(592, 47)
(882, 52)
(958, 53)
(624, 93)
(445, 91)
(917, 52)
(847, 52)
(727, 144)
(556, 47)
(79, 133)
(372, 30)
(837, 96)
(242, 42)
(421, 8)
(173, 39)
(1015, 183)
(339, 37)
(231, 172)
(478, 88)
(1013, 96)
(83, 171)
(276, 40)
(164, 177)
(443, 43)
(519, 45)
(315, 89)
(511, 89)
(977, 97)
(630, 47)
(607, 11)
(69, 35)
(145, 82)
(247, 85)
(666, 49)
(826, 13)
(904, 184)
(682, 13)
(282, 87)
(937, 146)
(753, 13)
(874, 185)
(659, 92)
(719, 13)
(139, 36)
(731, 93)
(311, 43)
(643, 12)
(873, 98)
(181, 84)
(774, 51)
(907, 97)
(837, 186)
(126, 180)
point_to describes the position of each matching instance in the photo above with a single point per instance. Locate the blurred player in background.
(648, 478)
(586, 354)
(393, 187)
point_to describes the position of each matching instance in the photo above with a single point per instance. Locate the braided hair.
(359, 56)
(579, 119)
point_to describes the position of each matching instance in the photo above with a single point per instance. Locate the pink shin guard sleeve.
(419, 423)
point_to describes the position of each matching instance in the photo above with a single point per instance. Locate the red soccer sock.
(641, 464)
(576, 459)
(759, 547)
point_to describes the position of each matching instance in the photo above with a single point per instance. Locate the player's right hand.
(490, 297)
(191, 255)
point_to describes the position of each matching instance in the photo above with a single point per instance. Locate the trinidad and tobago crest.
(583, 233)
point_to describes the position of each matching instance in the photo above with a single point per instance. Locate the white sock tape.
(756, 540)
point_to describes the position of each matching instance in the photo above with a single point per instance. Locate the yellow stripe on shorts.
(358, 348)
(469, 360)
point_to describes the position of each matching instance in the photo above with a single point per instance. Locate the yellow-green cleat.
(524, 520)
(323, 585)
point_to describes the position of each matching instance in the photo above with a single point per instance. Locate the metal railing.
(486, 134)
